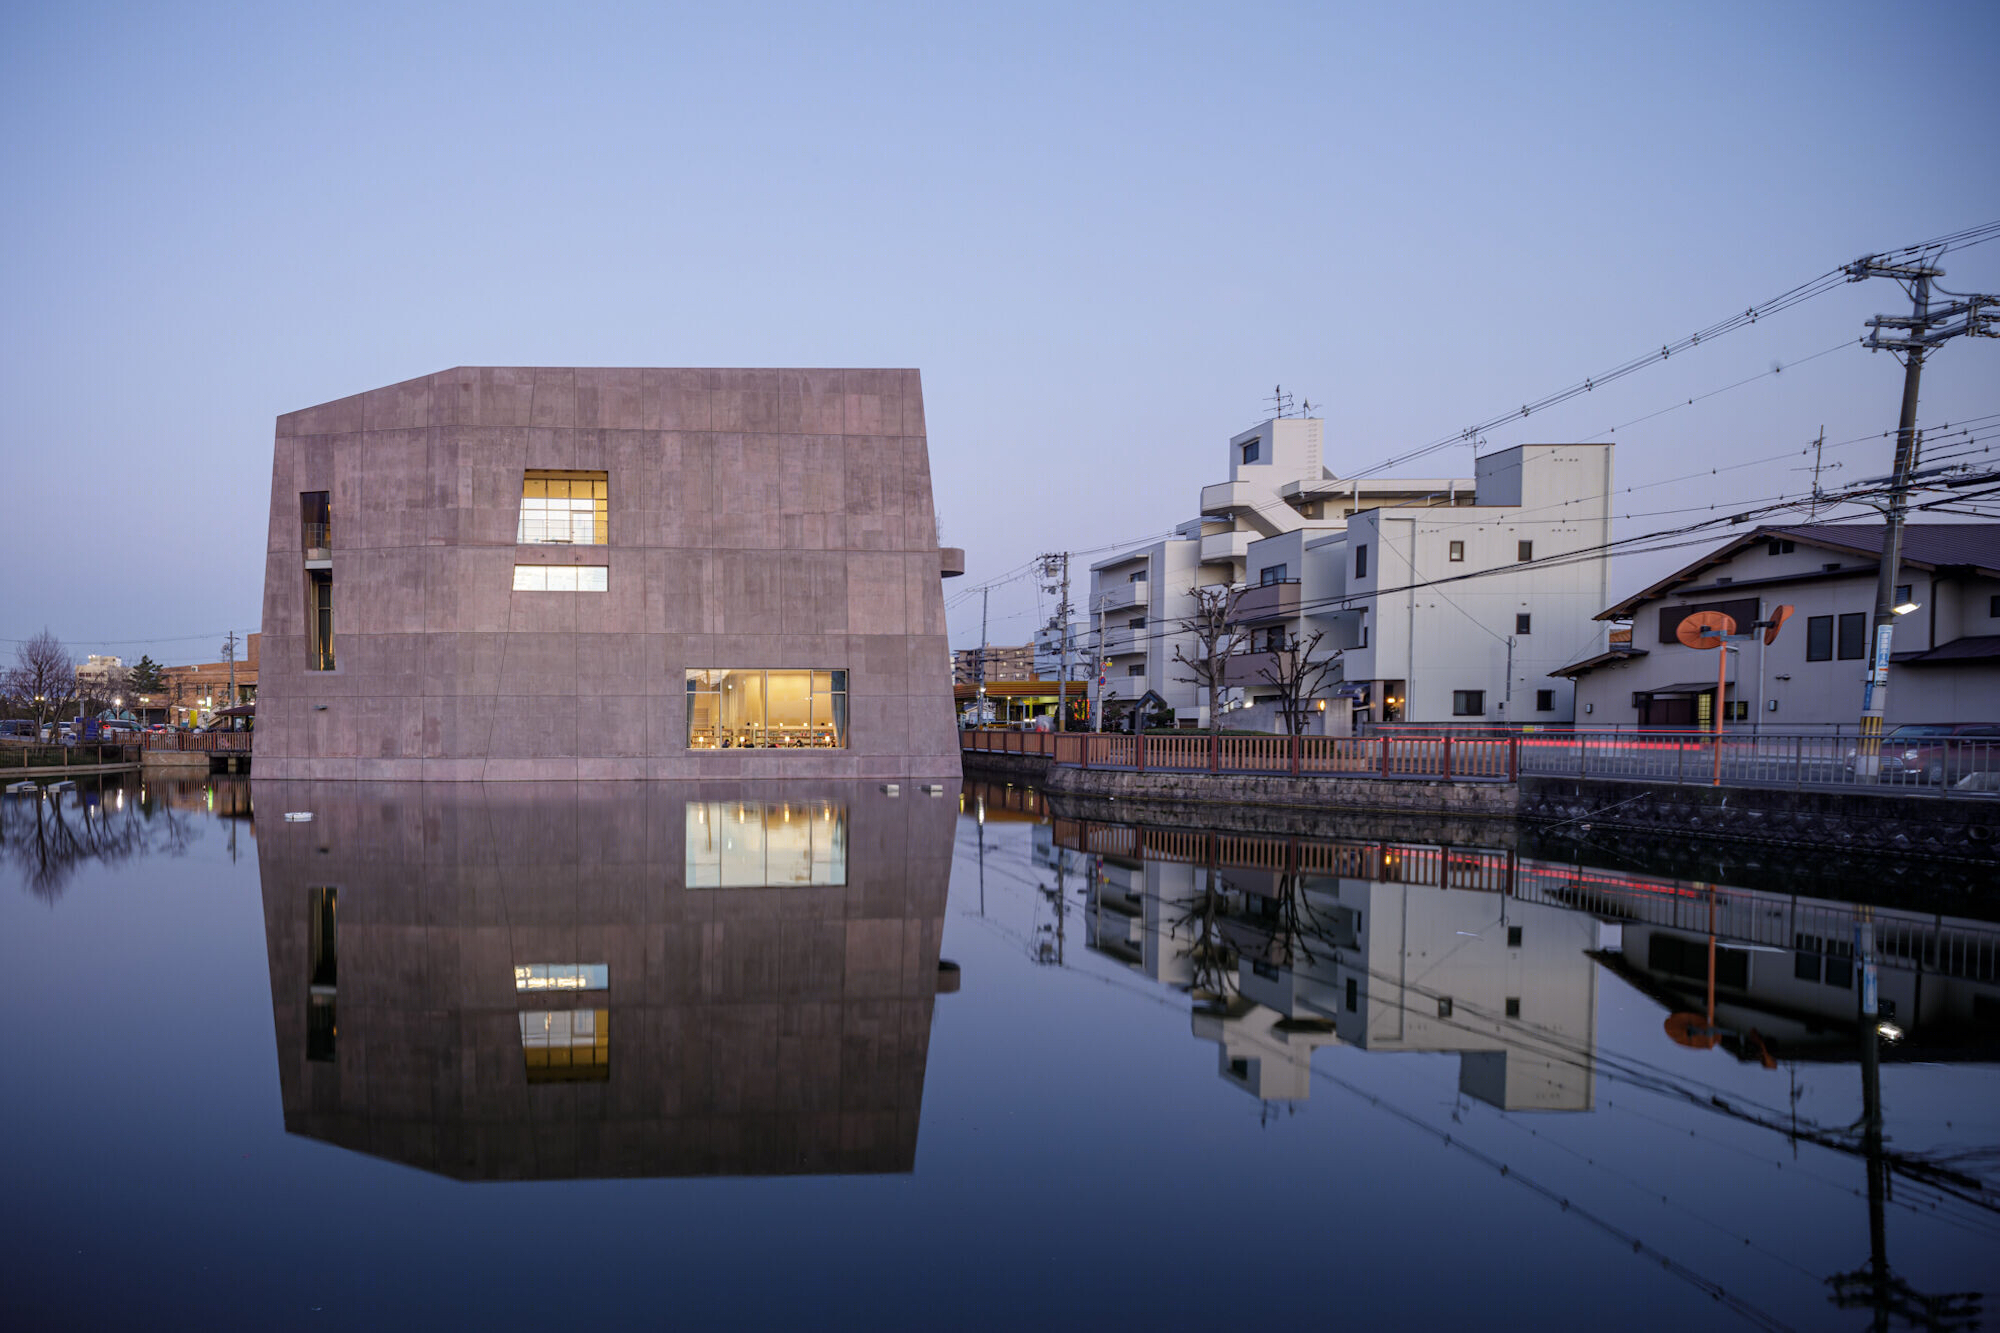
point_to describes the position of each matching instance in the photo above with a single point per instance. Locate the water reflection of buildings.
(1289, 945)
(606, 980)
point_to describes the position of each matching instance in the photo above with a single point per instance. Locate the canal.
(833, 1055)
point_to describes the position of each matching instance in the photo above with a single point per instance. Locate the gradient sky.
(1102, 232)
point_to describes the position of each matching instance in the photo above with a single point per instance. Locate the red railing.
(1424, 758)
(205, 742)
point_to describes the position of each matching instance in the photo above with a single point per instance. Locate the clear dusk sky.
(1102, 232)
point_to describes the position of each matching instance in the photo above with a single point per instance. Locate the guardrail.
(34, 754)
(1008, 742)
(1945, 766)
(206, 742)
(1427, 758)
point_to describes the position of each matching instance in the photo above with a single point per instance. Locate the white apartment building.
(1438, 595)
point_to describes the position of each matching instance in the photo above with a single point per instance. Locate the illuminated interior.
(758, 709)
(565, 508)
(566, 1045)
(561, 976)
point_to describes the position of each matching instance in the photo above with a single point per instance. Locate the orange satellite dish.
(1704, 628)
(1777, 622)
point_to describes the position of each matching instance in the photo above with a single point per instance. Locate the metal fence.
(1430, 758)
(1945, 766)
(93, 754)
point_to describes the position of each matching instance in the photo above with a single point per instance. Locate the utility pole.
(1097, 672)
(979, 670)
(229, 656)
(1923, 328)
(1055, 567)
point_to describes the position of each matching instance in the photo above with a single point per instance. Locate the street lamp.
(1906, 608)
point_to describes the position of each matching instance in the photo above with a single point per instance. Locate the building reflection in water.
(1288, 945)
(512, 982)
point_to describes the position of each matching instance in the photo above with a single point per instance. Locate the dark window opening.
(1444, 1006)
(323, 977)
(1819, 638)
(1253, 450)
(1853, 636)
(1513, 1006)
(1781, 546)
(1902, 597)
(1545, 701)
(1526, 552)
(316, 525)
(1522, 623)
(1136, 622)
(1361, 561)
(1513, 937)
(1468, 703)
(1271, 574)
(1353, 995)
(319, 620)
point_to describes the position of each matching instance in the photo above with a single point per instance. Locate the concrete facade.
(774, 519)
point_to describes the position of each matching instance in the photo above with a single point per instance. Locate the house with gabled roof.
(1945, 661)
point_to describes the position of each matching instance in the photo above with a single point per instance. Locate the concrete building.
(1946, 653)
(549, 573)
(496, 982)
(99, 673)
(1438, 594)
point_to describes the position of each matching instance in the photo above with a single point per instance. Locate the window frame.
(714, 682)
(537, 526)
(1455, 552)
(1819, 638)
(1851, 631)
(1524, 552)
(1468, 703)
(1361, 561)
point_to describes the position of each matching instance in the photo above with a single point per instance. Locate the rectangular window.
(1513, 937)
(1902, 597)
(1136, 622)
(1819, 638)
(1135, 670)
(567, 1045)
(316, 525)
(1525, 552)
(1993, 607)
(1522, 622)
(1468, 703)
(565, 508)
(766, 844)
(322, 981)
(1736, 710)
(1252, 450)
(738, 709)
(1139, 577)
(1853, 636)
(319, 620)
(1353, 996)
(562, 578)
(1545, 701)
(1457, 551)
(1271, 574)
(1781, 546)
(1513, 1006)
(1361, 561)
(1444, 1006)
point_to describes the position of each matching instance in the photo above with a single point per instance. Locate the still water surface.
(791, 1055)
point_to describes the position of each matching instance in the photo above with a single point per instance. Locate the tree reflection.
(47, 837)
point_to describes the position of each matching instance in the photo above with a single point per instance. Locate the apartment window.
(1902, 597)
(1513, 1006)
(1819, 638)
(567, 1045)
(564, 508)
(1253, 450)
(1781, 546)
(1271, 574)
(1361, 561)
(734, 708)
(1522, 622)
(1853, 642)
(1135, 670)
(1513, 937)
(562, 578)
(1468, 703)
(1136, 622)
(319, 620)
(1545, 701)
(766, 844)
(316, 525)
(1525, 552)
(1353, 995)
(1444, 1006)
(1274, 639)
(1139, 577)
(1457, 550)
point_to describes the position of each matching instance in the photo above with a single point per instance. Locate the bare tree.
(42, 681)
(1217, 638)
(1296, 674)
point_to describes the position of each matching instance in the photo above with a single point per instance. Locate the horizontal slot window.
(562, 578)
(765, 844)
(561, 976)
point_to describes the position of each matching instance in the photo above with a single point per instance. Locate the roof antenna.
(1281, 402)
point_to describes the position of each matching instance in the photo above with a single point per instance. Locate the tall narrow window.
(1853, 635)
(324, 976)
(316, 525)
(1361, 561)
(1525, 551)
(565, 508)
(1819, 638)
(1523, 623)
(1457, 551)
(319, 620)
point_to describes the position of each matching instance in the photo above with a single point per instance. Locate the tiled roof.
(1971, 648)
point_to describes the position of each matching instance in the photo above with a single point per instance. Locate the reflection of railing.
(1392, 863)
(36, 755)
(1949, 766)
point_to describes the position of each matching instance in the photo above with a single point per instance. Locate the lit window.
(735, 709)
(566, 1045)
(565, 508)
(766, 844)
(562, 578)
(561, 976)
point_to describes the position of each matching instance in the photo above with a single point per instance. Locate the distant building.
(533, 573)
(1439, 596)
(1945, 656)
(191, 695)
(1011, 663)
(98, 673)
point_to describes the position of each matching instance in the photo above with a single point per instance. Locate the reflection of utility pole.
(979, 672)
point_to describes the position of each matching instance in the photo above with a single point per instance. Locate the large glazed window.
(319, 620)
(735, 708)
(562, 578)
(566, 1045)
(760, 844)
(565, 508)
(316, 525)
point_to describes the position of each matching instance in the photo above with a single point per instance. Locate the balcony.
(1268, 601)
(1122, 594)
(1217, 547)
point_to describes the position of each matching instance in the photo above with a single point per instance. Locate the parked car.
(1937, 752)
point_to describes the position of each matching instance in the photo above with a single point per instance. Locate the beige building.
(1010, 663)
